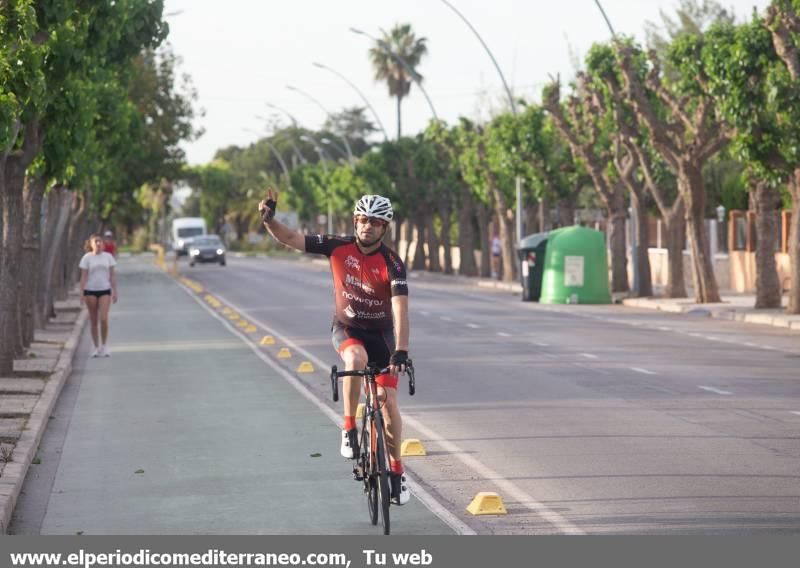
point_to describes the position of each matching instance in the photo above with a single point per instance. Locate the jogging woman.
(98, 290)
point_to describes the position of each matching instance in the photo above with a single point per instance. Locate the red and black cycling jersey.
(363, 284)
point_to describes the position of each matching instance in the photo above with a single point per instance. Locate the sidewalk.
(28, 396)
(734, 307)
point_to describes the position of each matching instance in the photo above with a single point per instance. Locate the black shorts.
(379, 343)
(97, 293)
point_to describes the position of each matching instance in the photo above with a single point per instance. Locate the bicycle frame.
(372, 462)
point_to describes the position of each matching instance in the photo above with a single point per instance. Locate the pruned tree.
(590, 143)
(686, 129)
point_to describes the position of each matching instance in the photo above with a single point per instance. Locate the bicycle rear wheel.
(384, 492)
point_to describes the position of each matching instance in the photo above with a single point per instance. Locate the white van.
(184, 229)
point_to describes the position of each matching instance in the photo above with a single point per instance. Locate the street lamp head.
(357, 31)
(320, 65)
(720, 213)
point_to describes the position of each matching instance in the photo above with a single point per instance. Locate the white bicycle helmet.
(374, 206)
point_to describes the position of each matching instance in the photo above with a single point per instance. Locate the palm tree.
(397, 46)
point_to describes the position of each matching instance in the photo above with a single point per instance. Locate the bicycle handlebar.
(370, 372)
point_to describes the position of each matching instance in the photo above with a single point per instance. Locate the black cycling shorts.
(378, 343)
(97, 293)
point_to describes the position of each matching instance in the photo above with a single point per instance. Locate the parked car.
(208, 248)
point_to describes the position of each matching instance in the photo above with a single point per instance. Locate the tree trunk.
(566, 210)
(768, 286)
(466, 234)
(409, 237)
(617, 248)
(444, 214)
(419, 251)
(690, 185)
(31, 253)
(77, 233)
(544, 214)
(483, 233)
(531, 220)
(794, 245)
(644, 284)
(10, 267)
(675, 228)
(399, 117)
(59, 206)
(433, 243)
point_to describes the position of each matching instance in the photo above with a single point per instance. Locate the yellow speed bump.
(242, 323)
(305, 367)
(227, 311)
(284, 353)
(251, 328)
(487, 503)
(360, 411)
(267, 340)
(233, 316)
(412, 447)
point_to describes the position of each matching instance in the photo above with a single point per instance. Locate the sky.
(241, 55)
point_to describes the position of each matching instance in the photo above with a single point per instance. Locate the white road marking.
(473, 325)
(425, 313)
(750, 344)
(716, 391)
(795, 412)
(541, 344)
(589, 355)
(446, 318)
(712, 338)
(695, 335)
(665, 328)
(424, 497)
(508, 488)
(644, 371)
(484, 471)
(503, 334)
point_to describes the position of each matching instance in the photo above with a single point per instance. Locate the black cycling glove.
(399, 358)
(269, 212)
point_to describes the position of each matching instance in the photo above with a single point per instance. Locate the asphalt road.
(585, 419)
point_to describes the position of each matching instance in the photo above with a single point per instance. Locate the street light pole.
(321, 152)
(510, 101)
(363, 98)
(277, 155)
(330, 116)
(289, 138)
(411, 73)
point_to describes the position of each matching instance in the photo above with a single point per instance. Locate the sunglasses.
(363, 219)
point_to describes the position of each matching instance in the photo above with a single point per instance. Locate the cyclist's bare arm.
(400, 316)
(279, 231)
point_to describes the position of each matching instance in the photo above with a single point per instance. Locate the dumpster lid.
(534, 240)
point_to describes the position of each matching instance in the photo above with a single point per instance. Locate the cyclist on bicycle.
(370, 323)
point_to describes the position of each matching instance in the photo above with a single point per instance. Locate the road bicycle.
(372, 462)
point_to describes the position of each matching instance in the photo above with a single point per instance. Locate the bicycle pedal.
(358, 474)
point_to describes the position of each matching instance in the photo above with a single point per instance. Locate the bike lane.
(186, 430)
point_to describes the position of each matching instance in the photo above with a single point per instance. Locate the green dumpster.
(575, 268)
(532, 250)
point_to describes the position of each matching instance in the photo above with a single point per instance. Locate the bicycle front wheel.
(384, 492)
(367, 461)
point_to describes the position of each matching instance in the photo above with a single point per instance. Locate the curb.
(28, 443)
(773, 317)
